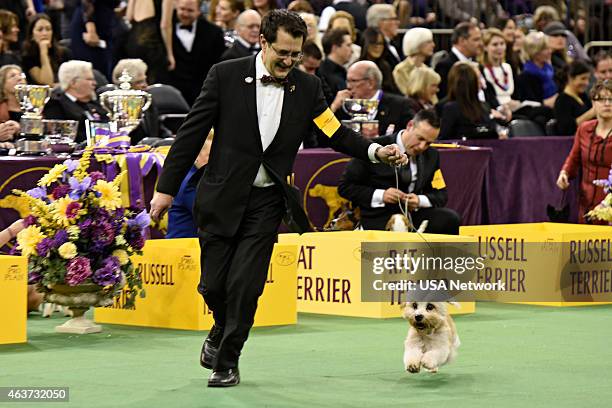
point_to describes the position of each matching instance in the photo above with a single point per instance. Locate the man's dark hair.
(289, 21)
(310, 49)
(601, 56)
(462, 30)
(333, 37)
(427, 115)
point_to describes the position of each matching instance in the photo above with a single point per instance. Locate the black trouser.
(234, 271)
(440, 220)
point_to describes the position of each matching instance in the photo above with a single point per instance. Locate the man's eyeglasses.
(295, 56)
(253, 26)
(603, 99)
(352, 81)
(396, 18)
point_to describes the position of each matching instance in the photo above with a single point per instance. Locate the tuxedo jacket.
(442, 68)
(392, 110)
(228, 103)
(237, 50)
(361, 178)
(61, 107)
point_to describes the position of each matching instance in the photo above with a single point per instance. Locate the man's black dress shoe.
(224, 378)
(211, 346)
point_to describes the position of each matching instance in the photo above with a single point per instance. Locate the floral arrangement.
(79, 234)
(603, 211)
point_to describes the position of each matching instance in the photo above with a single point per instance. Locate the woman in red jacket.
(592, 151)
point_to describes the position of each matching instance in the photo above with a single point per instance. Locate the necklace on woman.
(505, 86)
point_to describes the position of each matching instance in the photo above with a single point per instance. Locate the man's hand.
(8, 130)
(393, 196)
(339, 99)
(392, 155)
(563, 180)
(413, 201)
(159, 205)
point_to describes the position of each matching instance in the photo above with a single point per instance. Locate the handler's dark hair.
(427, 115)
(289, 21)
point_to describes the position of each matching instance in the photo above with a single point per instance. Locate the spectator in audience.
(418, 46)
(263, 7)
(342, 19)
(150, 36)
(247, 36)
(364, 81)
(76, 101)
(417, 13)
(420, 187)
(91, 34)
(557, 42)
(311, 24)
(10, 108)
(497, 72)
(456, 11)
(422, 89)
(603, 65)
(300, 6)
(573, 106)
(337, 48)
(227, 12)
(181, 221)
(355, 8)
(9, 35)
(311, 59)
(42, 55)
(536, 83)
(463, 114)
(149, 125)
(467, 46)
(508, 27)
(384, 17)
(373, 50)
(197, 45)
(544, 15)
(591, 154)
(517, 47)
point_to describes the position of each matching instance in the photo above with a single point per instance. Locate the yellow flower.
(53, 175)
(120, 240)
(68, 250)
(122, 256)
(28, 239)
(60, 207)
(73, 232)
(110, 197)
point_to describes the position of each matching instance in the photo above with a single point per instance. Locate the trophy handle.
(148, 101)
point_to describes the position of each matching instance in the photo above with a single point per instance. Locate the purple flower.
(34, 277)
(78, 188)
(72, 210)
(38, 192)
(30, 220)
(61, 237)
(109, 273)
(78, 270)
(44, 246)
(60, 191)
(71, 165)
(95, 176)
(140, 222)
(103, 234)
(136, 241)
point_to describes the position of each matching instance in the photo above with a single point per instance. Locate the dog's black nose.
(418, 318)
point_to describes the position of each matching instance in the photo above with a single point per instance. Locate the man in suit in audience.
(373, 187)
(364, 81)
(243, 193)
(246, 42)
(384, 17)
(467, 45)
(197, 45)
(337, 48)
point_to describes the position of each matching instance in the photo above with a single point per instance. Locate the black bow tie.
(253, 49)
(267, 79)
(188, 27)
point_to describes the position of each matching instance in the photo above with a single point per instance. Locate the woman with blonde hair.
(495, 69)
(418, 46)
(422, 89)
(342, 19)
(536, 83)
(10, 76)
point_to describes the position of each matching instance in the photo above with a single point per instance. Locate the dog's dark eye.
(430, 307)
(414, 305)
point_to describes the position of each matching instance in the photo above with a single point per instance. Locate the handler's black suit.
(361, 179)
(237, 221)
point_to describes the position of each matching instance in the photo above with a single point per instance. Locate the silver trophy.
(32, 99)
(126, 105)
(362, 113)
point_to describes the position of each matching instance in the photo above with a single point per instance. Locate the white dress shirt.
(185, 36)
(483, 83)
(377, 197)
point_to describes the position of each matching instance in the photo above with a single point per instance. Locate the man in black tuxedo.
(76, 100)
(384, 17)
(337, 48)
(261, 109)
(467, 45)
(197, 45)
(247, 36)
(373, 187)
(364, 81)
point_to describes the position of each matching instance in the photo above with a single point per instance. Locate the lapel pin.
(292, 88)
(248, 80)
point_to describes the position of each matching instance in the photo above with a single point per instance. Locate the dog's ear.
(456, 304)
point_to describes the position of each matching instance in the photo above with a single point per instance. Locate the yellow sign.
(544, 261)
(329, 272)
(13, 299)
(170, 270)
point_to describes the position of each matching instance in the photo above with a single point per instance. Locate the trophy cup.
(362, 112)
(126, 105)
(32, 99)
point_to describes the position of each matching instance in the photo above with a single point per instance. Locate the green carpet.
(511, 356)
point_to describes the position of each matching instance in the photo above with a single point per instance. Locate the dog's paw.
(433, 370)
(413, 367)
(429, 363)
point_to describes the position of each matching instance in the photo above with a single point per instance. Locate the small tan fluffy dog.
(432, 339)
(401, 223)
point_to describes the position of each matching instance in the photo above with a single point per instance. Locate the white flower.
(120, 240)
